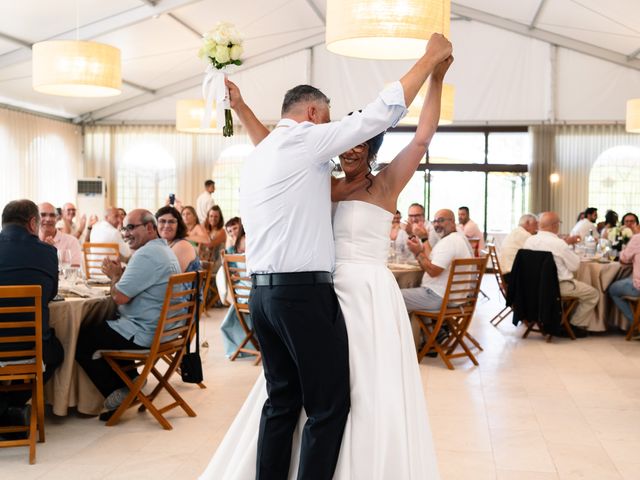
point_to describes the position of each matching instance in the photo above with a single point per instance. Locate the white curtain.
(40, 158)
(142, 165)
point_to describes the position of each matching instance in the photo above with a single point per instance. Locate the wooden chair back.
(497, 271)
(92, 256)
(21, 357)
(634, 304)
(210, 293)
(173, 333)
(239, 285)
(456, 312)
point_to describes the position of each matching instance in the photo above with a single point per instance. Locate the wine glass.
(612, 254)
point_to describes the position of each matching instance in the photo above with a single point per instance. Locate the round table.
(70, 386)
(407, 275)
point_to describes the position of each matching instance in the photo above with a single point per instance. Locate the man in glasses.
(416, 225)
(67, 224)
(65, 243)
(139, 293)
(436, 263)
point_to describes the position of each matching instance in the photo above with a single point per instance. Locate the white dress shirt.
(566, 260)
(104, 232)
(204, 202)
(583, 227)
(285, 186)
(510, 246)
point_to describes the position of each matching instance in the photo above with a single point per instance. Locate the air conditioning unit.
(92, 197)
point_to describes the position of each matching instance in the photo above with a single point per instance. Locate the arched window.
(146, 176)
(226, 172)
(614, 181)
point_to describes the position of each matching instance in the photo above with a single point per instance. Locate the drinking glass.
(613, 254)
(64, 258)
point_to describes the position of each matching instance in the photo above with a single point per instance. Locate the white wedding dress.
(387, 435)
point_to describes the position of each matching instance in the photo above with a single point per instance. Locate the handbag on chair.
(191, 364)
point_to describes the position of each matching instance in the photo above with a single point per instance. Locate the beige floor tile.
(580, 461)
(455, 465)
(520, 475)
(515, 449)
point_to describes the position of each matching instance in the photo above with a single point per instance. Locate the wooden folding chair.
(497, 271)
(239, 285)
(634, 303)
(456, 312)
(93, 254)
(210, 294)
(568, 305)
(173, 332)
(21, 358)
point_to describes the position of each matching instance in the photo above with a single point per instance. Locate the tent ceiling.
(159, 40)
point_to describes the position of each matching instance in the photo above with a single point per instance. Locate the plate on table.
(99, 281)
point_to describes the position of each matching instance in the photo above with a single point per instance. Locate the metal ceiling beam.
(196, 81)
(317, 11)
(532, 25)
(545, 36)
(633, 54)
(185, 25)
(16, 40)
(99, 27)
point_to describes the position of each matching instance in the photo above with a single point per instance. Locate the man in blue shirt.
(139, 293)
(28, 261)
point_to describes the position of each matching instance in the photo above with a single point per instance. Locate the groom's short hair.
(302, 93)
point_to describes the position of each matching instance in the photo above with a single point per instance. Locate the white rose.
(234, 36)
(222, 54)
(236, 51)
(627, 232)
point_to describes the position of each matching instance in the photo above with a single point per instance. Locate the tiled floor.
(530, 411)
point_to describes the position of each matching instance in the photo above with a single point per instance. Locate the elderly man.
(65, 243)
(587, 224)
(416, 225)
(629, 286)
(67, 224)
(106, 231)
(436, 263)
(204, 202)
(527, 226)
(139, 293)
(469, 227)
(28, 261)
(567, 262)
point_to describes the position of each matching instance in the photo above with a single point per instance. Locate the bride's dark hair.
(373, 145)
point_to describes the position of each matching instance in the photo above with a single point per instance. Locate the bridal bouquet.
(619, 236)
(221, 49)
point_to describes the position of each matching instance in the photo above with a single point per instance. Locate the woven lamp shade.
(189, 114)
(384, 29)
(446, 106)
(73, 68)
(633, 115)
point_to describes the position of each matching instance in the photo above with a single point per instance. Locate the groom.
(286, 212)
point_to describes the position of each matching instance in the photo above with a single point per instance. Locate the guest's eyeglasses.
(440, 220)
(131, 227)
(167, 222)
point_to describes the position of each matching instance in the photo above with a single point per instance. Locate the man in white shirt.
(470, 228)
(67, 224)
(67, 245)
(436, 263)
(204, 202)
(587, 224)
(567, 262)
(527, 226)
(286, 211)
(106, 231)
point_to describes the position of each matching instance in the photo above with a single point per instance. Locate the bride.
(387, 434)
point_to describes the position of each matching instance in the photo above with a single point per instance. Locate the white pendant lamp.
(633, 115)
(446, 106)
(189, 115)
(384, 29)
(75, 68)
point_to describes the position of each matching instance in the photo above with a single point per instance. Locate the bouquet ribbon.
(214, 89)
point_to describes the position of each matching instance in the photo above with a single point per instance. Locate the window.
(146, 176)
(226, 172)
(614, 181)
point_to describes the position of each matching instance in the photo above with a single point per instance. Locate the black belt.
(283, 279)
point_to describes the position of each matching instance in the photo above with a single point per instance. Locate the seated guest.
(470, 228)
(587, 224)
(630, 220)
(67, 224)
(230, 328)
(28, 261)
(567, 262)
(106, 231)
(62, 241)
(139, 293)
(232, 228)
(122, 213)
(629, 286)
(171, 228)
(610, 221)
(416, 225)
(214, 226)
(398, 233)
(527, 226)
(196, 234)
(436, 263)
